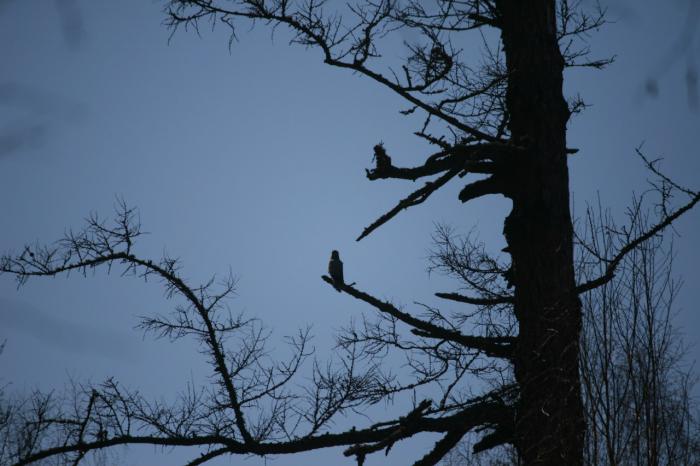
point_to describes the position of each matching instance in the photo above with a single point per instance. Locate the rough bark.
(549, 424)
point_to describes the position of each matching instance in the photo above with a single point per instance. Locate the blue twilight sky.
(254, 160)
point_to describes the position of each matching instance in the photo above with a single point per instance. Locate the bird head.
(335, 255)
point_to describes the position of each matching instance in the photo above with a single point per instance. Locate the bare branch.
(497, 347)
(475, 158)
(476, 301)
(415, 198)
(634, 243)
(441, 448)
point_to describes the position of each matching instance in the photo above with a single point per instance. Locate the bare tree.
(635, 371)
(504, 120)
(636, 382)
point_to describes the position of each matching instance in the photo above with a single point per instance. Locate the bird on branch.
(335, 270)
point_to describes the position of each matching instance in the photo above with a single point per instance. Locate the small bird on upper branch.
(335, 270)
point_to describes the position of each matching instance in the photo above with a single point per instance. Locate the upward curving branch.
(634, 243)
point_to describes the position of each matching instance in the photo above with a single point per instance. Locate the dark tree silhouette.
(634, 364)
(636, 382)
(503, 120)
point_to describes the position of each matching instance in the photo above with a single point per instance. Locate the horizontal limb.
(476, 301)
(471, 416)
(473, 158)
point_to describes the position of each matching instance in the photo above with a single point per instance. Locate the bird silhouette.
(335, 270)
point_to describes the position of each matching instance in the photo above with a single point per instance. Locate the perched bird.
(335, 270)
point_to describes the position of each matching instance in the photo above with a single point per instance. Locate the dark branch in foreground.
(415, 198)
(441, 448)
(363, 441)
(500, 347)
(249, 409)
(475, 301)
(635, 243)
(475, 158)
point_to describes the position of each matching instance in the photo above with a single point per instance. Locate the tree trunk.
(549, 424)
